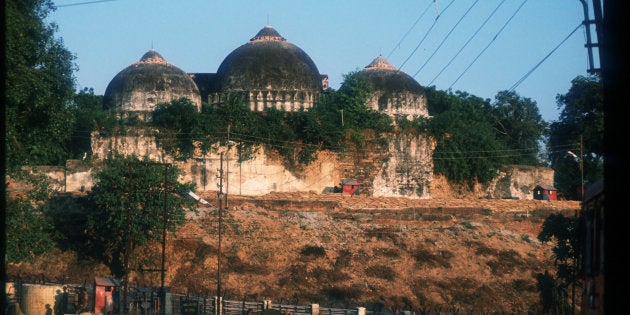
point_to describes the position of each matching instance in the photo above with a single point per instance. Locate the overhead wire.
(489, 43)
(446, 37)
(517, 83)
(425, 35)
(409, 31)
(468, 41)
(82, 3)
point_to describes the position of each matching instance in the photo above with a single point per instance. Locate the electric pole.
(221, 196)
(165, 222)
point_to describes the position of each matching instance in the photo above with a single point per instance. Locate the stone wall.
(409, 168)
(517, 182)
(402, 168)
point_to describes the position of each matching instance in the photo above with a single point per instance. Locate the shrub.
(313, 251)
(380, 271)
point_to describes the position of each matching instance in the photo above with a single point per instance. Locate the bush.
(313, 251)
(380, 271)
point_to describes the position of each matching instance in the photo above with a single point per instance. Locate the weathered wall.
(405, 170)
(260, 175)
(409, 168)
(138, 141)
(517, 182)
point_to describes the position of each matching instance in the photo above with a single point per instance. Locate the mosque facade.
(270, 72)
(267, 71)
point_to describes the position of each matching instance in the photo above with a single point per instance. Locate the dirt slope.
(387, 252)
(341, 251)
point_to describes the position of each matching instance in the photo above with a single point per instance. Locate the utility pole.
(221, 196)
(582, 166)
(165, 222)
(127, 242)
(227, 165)
(597, 12)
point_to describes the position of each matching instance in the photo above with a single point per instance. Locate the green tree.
(231, 120)
(579, 129)
(351, 100)
(39, 85)
(89, 117)
(468, 149)
(565, 232)
(128, 204)
(179, 127)
(29, 230)
(520, 126)
(320, 125)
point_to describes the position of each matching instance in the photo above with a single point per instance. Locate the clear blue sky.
(342, 36)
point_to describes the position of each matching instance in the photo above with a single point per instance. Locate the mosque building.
(269, 72)
(135, 91)
(395, 93)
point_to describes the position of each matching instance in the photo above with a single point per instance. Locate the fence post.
(218, 306)
(314, 309)
(360, 310)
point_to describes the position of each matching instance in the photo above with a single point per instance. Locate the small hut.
(105, 295)
(545, 192)
(350, 187)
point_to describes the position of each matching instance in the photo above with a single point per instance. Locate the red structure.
(350, 187)
(545, 192)
(105, 295)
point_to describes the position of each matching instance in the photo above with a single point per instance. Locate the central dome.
(268, 62)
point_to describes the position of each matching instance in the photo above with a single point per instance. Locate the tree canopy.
(520, 126)
(579, 129)
(566, 233)
(39, 85)
(128, 204)
(468, 149)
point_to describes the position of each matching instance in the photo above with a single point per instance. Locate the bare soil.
(450, 251)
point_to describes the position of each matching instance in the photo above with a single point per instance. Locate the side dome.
(395, 92)
(137, 89)
(270, 72)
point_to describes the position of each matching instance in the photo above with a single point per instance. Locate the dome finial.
(153, 56)
(380, 63)
(268, 33)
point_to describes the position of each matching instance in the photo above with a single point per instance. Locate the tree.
(468, 149)
(320, 125)
(520, 126)
(565, 232)
(128, 204)
(89, 116)
(179, 127)
(579, 129)
(352, 100)
(29, 231)
(39, 86)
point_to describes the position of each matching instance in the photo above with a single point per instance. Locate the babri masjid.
(269, 71)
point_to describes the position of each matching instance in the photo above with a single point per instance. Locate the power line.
(446, 37)
(543, 60)
(83, 3)
(467, 42)
(412, 26)
(489, 43)
(425, 35)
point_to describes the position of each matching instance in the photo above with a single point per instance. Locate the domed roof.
(268, 63)
(385, 77)
(149, 82)
(395, 92)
